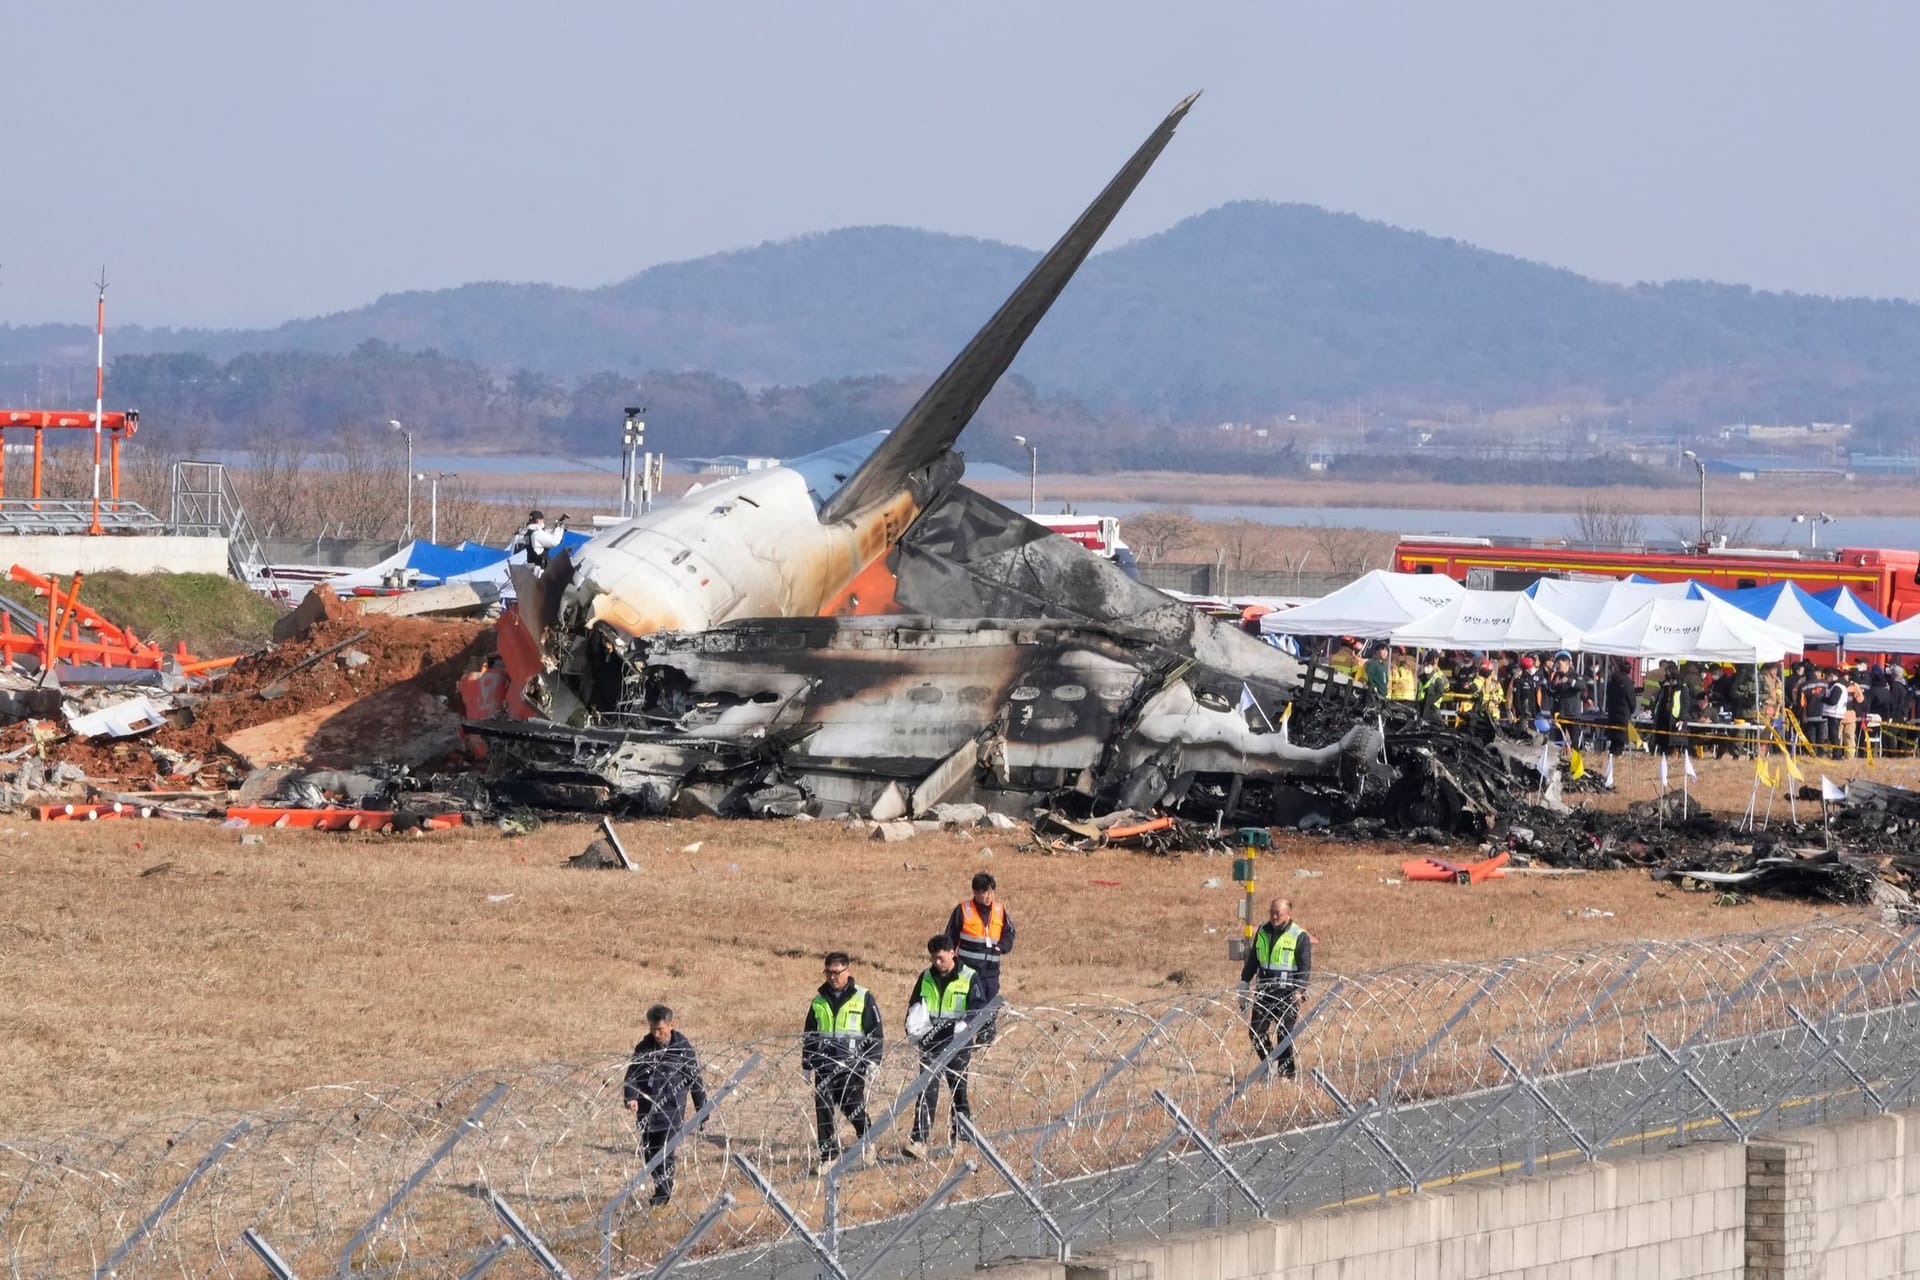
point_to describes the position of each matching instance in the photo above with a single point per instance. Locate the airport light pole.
(395, 424)
(433, 500)
(1694, 458)
(1813, 520)
(1033, 473)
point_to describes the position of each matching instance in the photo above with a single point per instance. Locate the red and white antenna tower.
(99, 392)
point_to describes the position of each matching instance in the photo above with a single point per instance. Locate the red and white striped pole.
(99, 392)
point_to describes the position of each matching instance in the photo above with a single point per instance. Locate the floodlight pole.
(407, 536)
(1033, 473)
(1694, 458)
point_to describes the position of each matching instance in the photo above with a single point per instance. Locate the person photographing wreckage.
(1272, 980)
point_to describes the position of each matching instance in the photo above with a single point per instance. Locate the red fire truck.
(1886, 580)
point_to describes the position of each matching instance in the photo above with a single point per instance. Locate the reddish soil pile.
(430, 656)
(404, 654)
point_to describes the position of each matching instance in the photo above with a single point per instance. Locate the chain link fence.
(1096, 1122)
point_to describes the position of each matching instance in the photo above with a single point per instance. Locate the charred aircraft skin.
(685, 659)
(1007, 713)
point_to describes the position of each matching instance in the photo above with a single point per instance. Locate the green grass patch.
(213, 615)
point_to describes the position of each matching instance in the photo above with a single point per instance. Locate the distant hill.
(1244, 312)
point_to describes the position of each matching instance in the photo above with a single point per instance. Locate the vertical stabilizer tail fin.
(936, 420)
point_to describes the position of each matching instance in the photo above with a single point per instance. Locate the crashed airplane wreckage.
(858, 629)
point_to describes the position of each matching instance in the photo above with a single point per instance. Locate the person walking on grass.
(663, 1072)
(981, 932)
(946, 994)
(840, 1045)
(1272, 980)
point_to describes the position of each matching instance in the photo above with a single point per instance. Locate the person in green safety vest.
(840, 1044)
(947, 996)
(1276, 971)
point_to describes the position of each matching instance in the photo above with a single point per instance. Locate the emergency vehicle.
(1885, 580)
(1098, 534)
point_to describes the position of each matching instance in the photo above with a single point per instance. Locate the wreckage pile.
(338, 691)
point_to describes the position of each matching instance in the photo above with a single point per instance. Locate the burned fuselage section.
(899, 713)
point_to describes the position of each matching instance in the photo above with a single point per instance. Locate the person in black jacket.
(663, 1072)
(840, 1043)
(1618, 703)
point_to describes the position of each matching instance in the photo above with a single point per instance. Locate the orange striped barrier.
(336, 819)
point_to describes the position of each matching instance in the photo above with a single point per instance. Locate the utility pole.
(433, 500)
(1694, 458)
(395, 424)
(1033, 473)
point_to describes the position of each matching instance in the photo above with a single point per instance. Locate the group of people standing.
(842, 1039)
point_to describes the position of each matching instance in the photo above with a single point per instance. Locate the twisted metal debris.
(1096, 1122)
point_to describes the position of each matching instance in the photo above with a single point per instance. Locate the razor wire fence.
(1093, 1123)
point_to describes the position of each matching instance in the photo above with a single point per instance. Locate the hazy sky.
(248, 162)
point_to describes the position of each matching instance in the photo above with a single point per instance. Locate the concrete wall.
(132, 553)
(1840, 1202)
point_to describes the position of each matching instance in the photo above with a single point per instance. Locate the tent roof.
(1787, 604)
(1489, 620)
(1704, 630)
(1846, 602)
(1900, 637)
(1590, 604)
(1372, 605)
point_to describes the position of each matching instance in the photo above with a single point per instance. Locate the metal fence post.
(708, 1220)
(672, 1144)
(524, 1234)
(966, 1170)
(173, 1198)
(1352, 1121)
(1067, 1118)
(264, 1251)
(1207, 1147)
(484, 1263)
(792, 1219)
(1485, 989)
(1533, 1090)
(1021, 1189)
(1372, 1134)
(1739, 994)
(961, 1041)
(1684, 1062)
(460, 1131)
(1286, 1043)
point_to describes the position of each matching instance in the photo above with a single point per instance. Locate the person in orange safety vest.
(982, 932)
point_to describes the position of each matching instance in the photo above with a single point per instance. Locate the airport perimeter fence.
(1096, 1122)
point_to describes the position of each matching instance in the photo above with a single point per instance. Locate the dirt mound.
(428, 656)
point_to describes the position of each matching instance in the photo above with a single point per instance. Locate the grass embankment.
(211, 614)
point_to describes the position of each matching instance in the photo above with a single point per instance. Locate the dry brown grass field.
(155, 968)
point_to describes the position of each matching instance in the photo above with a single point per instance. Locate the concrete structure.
(130, 553)
(1837, 1202)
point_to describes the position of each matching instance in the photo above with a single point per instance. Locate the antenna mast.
(99, 391)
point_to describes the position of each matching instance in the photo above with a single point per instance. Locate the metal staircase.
(206, 504)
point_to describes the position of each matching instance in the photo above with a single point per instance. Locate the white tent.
(1489, 620)
(1706, 630)
(1372, 605)
(1901, 637)
(1591, 604)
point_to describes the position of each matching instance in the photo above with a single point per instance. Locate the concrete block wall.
(1832, 1202)
(1864, 1180)
(130, 553)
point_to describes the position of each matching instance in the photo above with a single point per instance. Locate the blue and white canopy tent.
(1846, 602)
(1788, 605)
